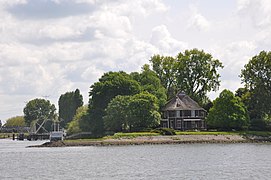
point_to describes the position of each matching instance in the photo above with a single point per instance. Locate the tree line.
(122, 101)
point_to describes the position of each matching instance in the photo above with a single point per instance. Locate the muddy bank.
(177, 139)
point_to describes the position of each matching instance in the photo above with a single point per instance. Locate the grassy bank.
(143, 138)
(132, 135)
(207, 133)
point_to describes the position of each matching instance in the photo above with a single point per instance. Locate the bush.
(165, 131)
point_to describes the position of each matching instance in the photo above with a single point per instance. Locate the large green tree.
(39, 110)
(256, 77)
(73, 126)
(118, 114)
(132, 113)
(166, 69)
(150, 82)
(194, 72)
(228, 112)
(17, 121)
(101, 93)
(197, 74)
(143, 112)
(68, 104)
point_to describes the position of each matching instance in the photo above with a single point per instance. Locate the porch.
(183, 124)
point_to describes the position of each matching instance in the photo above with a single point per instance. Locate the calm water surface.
(183, 161)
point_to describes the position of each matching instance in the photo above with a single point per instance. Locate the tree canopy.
(68, 104)
(73, 126)
(143, 112)
(197, 73)
(166, 69)
(101, 93)
(39, 110)
(117, 114)
(150, 82)
(194, 72)
(130, 113)
(256, 77)
(228, 112)
(17, 121)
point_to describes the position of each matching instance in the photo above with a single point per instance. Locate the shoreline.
(155, 140)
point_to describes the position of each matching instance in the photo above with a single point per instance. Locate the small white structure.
(56, 136)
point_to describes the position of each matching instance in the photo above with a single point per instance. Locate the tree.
(197, 74)
(143, 112)
(117, 114)
(132, 113)
(228, 112)
(38, 110)
(68, 104)
(194, 72)
(73, 126)
(150, 82)
(256, 76)
(101, 93)
(166, 69)
(17, 121)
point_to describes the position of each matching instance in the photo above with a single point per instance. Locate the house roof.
(182, 102)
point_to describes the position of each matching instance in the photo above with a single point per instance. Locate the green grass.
(83, 140)
(256, 133)
(253, 133)
(9, 135)
(207, 133)
(115, 136)
(133, 134)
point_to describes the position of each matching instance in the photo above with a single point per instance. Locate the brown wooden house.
(183, 113)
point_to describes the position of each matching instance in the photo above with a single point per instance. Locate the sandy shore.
(141, 140)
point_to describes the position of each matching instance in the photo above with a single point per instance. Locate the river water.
(182, 161)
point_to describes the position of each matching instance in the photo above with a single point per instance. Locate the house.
(183, 113)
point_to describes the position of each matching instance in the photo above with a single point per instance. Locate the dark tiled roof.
(182, 102)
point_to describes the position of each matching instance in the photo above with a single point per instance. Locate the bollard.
(13, 137)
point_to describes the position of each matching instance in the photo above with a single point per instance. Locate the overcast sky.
(49, 47)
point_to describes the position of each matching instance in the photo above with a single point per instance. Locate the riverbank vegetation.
(132, 102)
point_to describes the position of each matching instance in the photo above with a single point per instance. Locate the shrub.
(165, 131)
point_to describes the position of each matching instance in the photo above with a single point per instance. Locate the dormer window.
(181, 93)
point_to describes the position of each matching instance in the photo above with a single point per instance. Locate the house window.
(193, 124)
(164, 115)
(193, 113)
(187, 113)
(179, 124)
(165, 125)
(202, 113)
(197, 113)
(178, 113)
(171, 124)
(181, 113)
(172, 113)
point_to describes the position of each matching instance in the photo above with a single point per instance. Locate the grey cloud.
(47, 9)
(87, 35)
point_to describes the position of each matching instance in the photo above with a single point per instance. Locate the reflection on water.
(183, 161)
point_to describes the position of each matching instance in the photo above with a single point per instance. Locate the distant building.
(183, 113)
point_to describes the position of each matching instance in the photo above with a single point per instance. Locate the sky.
(50, 47)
